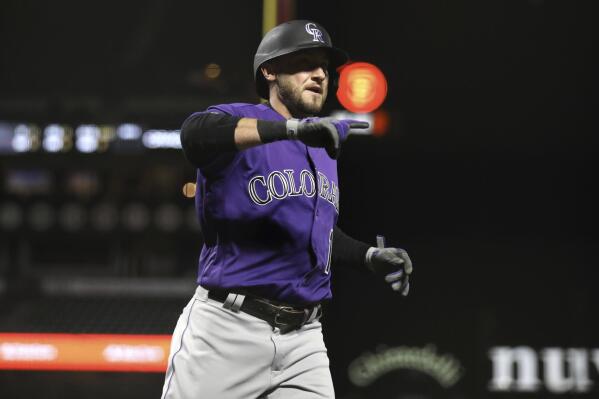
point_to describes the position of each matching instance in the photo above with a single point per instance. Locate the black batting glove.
(391, 264)
(327, 133)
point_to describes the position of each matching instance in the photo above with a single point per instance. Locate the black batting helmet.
(288, 38)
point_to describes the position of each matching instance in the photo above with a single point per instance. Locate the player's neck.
(276, 104)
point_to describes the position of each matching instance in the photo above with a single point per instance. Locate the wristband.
(292, 126)
(270, 131)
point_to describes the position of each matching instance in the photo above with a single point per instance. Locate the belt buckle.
(281, 309)
(284, 327)
(276, 322)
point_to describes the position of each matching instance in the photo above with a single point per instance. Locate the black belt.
(287, 318)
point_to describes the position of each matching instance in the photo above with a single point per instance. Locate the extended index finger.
(359, 125)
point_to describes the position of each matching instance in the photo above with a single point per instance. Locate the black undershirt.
(348, 251)
(206, 136)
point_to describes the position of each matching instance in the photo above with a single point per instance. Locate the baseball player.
(268, 201)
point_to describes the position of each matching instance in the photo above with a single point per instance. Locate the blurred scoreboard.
(19, 138)
(59, 182)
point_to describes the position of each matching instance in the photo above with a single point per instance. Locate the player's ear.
(268, 72)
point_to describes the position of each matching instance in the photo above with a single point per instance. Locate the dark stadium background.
(486, 176)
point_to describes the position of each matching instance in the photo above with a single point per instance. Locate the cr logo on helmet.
(315, 32)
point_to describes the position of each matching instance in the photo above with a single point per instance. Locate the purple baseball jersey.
(267, 214)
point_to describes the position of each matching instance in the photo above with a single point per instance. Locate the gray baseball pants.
(219, 354)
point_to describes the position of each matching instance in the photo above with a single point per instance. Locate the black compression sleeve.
(348, 251)
(270, 131)
(206, 135)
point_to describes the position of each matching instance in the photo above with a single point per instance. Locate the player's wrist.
(368, 257)
(292, 126)
(270, 131)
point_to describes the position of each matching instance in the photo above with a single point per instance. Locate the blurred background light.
(162, 139)
(55, 138)
(107, 135)
(82, 183)
(87, 138)
(11, 216)
(18, 137)
(381, 122)
(135, 216)
(104, 217)
(212, 71)
(168, 217)
(21, 141)
(189, 190)
(362, 87)
(28, 182)
(128, 131)
(41, 216)
(72, 216)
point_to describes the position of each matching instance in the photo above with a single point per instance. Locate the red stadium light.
(362, 87)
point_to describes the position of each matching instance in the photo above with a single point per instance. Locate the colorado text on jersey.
(280, 185)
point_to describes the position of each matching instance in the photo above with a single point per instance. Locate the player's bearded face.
(303, 83)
